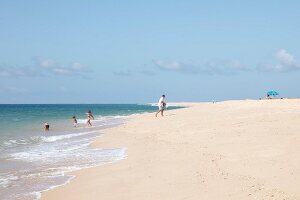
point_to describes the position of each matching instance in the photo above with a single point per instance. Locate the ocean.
(33, 160)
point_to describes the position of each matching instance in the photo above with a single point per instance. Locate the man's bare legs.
(161, 112)
(157, 113)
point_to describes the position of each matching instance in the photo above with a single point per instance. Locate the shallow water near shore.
(33, 160)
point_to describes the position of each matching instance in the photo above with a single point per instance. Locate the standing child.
(89, 117)
(74, 121)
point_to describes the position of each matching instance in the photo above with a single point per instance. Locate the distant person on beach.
(161, 106)
(74, 121)
(89, 117)
(46, 126)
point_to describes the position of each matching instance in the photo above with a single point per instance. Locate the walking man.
(161, 105)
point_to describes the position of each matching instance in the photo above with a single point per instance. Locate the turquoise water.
(33, 160)
(30, 118)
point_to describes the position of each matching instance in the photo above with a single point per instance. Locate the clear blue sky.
(134, 51)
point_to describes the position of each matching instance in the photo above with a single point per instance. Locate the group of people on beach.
(88, 121)
(162, 106)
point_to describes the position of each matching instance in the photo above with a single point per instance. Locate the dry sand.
(228, 150)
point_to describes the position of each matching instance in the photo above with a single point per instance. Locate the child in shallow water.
(74, 121)
(46, 126)
(89, 117)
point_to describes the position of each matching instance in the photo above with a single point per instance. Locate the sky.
(135, 51)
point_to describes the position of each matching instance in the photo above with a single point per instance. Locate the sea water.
(33, 160)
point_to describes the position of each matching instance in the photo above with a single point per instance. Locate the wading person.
(89, 117)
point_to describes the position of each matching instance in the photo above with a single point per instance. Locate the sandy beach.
(235, 150)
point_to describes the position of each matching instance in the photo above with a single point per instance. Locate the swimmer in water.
(46, 126)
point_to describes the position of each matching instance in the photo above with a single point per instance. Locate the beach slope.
(227, 150)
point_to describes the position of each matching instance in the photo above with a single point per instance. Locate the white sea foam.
(67, 136)
(6, 179)
(153, 104)
(9, 142)
(50, 157)
(36, 161)
(13, 143)
(51, 169)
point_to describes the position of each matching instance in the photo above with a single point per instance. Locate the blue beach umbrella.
(273, 93)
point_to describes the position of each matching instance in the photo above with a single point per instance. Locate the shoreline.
(241, 147)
